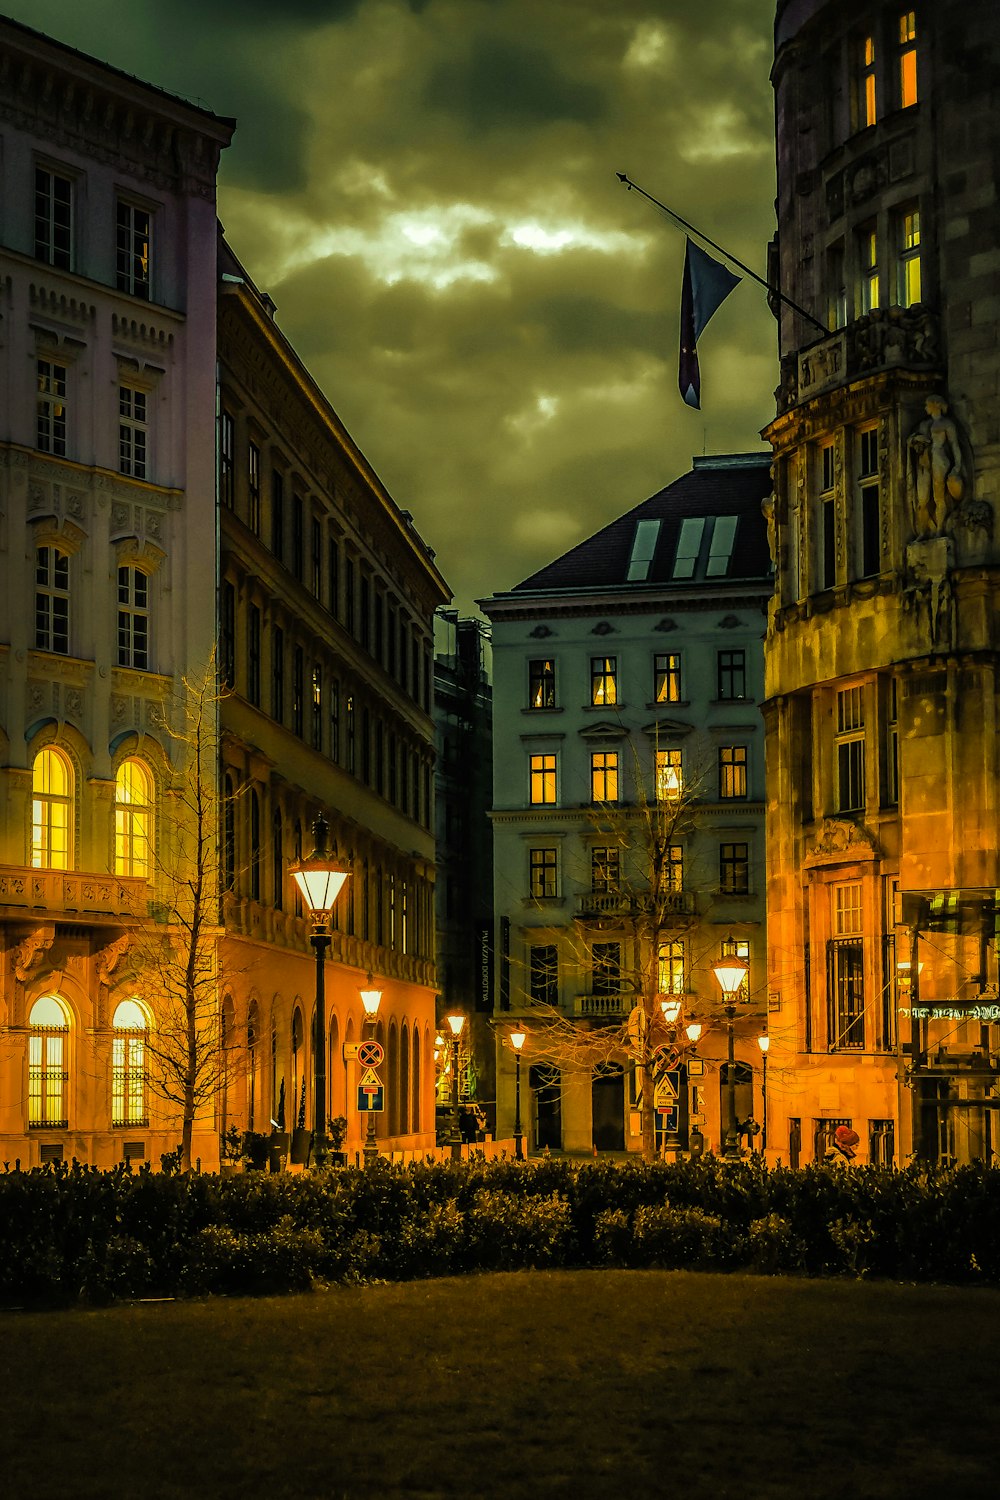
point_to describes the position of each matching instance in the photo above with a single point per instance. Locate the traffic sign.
(696, 1067)
(370, 1053)
(665, 1057)
(669, 1118)
(667, 1090)
(371, 1099)
(370, 1080)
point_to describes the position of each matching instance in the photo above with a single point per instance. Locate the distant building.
(173, 482)
(627, 672)
(882, 650)
(463, 716)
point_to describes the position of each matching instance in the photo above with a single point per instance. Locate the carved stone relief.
(928, 592)
(838, 836)
(939, 465)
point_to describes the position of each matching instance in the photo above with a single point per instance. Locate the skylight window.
(723, 535)
(643, 547)
(688, 546)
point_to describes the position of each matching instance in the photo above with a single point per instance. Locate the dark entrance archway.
(545, 1085)
(607, 1096)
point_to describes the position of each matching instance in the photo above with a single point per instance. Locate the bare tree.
(174, 950)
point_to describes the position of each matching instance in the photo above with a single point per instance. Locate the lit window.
(542, 873)
(850, 750)
(542, 779)
(603, 680)
(133, 619)
(541, 683)
(51, 810)
(604, 776)
(50, 414)
(128, 1065)
(732, 771)
(132, 431)
(667, 677)
(672, 869)
(909, 287)
(132, 247)
(51, 600)
(53, 219)
(845, 970)
(670, 968)
(734, 869)
(865, 98)
(907, 59)
(868, 299)
(605, 871)
(669, 775)
(732, 674)
(317, 708)
(47, 1075)
(133, 820)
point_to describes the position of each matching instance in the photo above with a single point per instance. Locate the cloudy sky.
(427, 189)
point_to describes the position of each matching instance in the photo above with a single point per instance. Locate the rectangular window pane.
(542, 779)
(667, 678)
(541, 683)
(133, 263)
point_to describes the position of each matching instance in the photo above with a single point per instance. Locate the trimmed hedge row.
(73, 1233)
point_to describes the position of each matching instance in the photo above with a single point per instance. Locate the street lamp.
(320, 878)
(456, 1023)
(693, 1030)
(517, 1039)
(731, 972)
(763, 1042)
(370, 999)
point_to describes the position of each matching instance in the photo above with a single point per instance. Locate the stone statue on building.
(935, 468)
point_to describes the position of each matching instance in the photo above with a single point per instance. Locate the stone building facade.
(628, 677)
(139, 535)
(882, 640)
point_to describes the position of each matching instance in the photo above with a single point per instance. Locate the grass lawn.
(579, 1383)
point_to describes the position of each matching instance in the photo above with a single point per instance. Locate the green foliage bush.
(71, 1233)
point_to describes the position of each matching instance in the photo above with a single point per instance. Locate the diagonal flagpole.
(773, 290)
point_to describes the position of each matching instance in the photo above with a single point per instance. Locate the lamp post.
(517, 1039)
(320, 878)
(763, 1042)
(456, 1022)
(370, 998)
(731, 971)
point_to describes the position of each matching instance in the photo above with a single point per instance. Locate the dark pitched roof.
(724, 485)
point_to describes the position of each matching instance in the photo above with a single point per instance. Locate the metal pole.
(732, 1134)
(763, 1098)
(455, 1139)
(321, 1151)
(370, 1152)
(518, 1146)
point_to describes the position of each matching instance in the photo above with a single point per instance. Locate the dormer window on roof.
(688, 546)
(723, 536)
(643, 547)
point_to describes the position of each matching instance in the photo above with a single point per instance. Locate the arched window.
(227, 1041)
(254, 846)
(51, 810)
(253, 1064)
(128, 1065)
(298, 1064)
(404, 1081)
(47, 1074)
(277, 861)
(415, 1119)
(133, 819)
(393, 1079)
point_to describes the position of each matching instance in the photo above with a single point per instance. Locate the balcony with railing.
(613, 1007)
(72, 893)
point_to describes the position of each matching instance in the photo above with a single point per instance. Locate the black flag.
(707, 284)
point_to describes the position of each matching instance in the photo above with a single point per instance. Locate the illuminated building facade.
(153, 417)
(628, 676)
(881, 653)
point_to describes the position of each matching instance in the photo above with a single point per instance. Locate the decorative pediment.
(58, 531)
(605, 730)
(540, 633)
(133, 551)
(27, 956)
(665, 624)
(729, 622)
(604, 627)
(667, 729)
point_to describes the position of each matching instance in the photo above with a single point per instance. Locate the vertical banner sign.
(485, 965)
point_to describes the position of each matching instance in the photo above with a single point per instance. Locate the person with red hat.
(841, 1150)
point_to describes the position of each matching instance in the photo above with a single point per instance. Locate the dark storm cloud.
(427, 189)
(503, 84)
